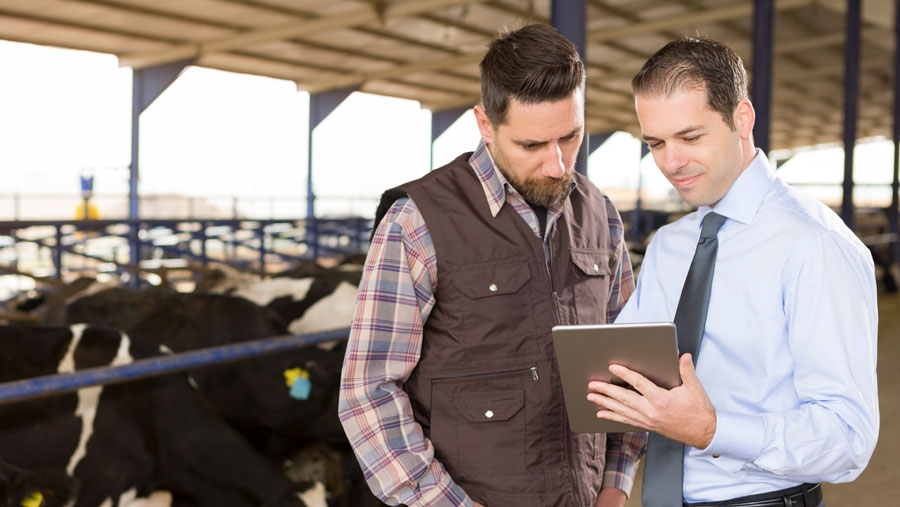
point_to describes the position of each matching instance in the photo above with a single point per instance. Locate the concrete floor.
(879, 484)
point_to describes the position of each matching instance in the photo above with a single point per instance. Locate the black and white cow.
(309, 298)
(47, 304)
(252, 395)
(152, 442)
(36, 488)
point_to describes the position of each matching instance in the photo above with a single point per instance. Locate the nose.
(553, 165)
(673, 159)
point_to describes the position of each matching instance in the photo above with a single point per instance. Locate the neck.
(749, 152)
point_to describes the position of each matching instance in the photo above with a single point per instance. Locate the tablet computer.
(584, 353)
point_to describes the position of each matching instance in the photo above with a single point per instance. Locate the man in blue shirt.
(784, 392)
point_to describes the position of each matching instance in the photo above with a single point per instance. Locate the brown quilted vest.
(486, 390)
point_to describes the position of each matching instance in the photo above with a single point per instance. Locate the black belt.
(805, 495)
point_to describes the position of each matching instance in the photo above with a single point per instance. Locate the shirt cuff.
(620, 474)
(738, 437)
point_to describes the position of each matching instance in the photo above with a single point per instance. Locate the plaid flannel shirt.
(396, 295)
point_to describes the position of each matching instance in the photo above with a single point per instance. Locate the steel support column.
(58, 253)
(895, 184)
(440, 122)
(261, 234)
(763, 28)
(569, 17)
(636, 234)
(320, 106)
(851, 95)
(147, 84)
(596, 140)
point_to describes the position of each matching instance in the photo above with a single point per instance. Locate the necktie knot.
(711, 224)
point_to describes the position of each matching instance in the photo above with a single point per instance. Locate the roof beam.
(692, 18)
(392, 72)
(242, 40)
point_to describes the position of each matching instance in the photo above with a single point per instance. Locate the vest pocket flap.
(499, 279)
(491, 406)
(592, 262)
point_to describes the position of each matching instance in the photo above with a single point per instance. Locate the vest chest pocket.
(496, 315)
(591, 284)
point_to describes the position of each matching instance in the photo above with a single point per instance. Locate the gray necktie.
(664, 467)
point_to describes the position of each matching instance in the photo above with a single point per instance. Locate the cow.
(38, 488)
(308, 297)
(253, 395)
(47, 304)
(155, 441)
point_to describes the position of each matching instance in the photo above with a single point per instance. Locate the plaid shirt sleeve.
(394, 300)
(623, 450)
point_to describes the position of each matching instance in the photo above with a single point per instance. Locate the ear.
(484, 125)
(744, 118)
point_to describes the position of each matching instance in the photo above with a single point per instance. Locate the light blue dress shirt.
(789, 351)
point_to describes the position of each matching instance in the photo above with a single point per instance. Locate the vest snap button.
(596, 268)
(489, 414)
(492, 287)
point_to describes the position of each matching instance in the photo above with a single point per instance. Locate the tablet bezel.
(584, 353)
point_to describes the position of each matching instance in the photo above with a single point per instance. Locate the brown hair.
(696, 63)
(532, 64)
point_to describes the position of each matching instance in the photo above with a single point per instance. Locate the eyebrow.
(523, 142)
(680, 133)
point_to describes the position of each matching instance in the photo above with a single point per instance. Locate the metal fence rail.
(111, 242)
(49, 385)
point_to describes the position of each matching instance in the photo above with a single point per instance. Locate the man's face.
(536, 147)
(695, 149)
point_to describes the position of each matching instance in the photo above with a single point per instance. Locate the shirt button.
(492, 287)
(596, 268)
(717, 455)
(489, 414)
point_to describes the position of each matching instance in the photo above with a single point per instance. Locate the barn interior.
(822, 76)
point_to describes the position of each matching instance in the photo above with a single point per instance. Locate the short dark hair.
(532, 64)
(697, 63)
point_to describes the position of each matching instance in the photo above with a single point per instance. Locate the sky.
(215, 135)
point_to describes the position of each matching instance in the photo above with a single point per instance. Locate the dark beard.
(542, 191)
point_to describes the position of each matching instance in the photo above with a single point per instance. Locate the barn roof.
(428, 50)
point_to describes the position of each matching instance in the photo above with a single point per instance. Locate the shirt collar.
(746, 194)
(493, 182)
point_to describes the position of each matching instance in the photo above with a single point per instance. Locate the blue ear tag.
(301, 388)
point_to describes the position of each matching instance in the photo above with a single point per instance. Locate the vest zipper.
(534, 374)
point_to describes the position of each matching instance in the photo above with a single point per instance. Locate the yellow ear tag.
(290, 376)
(35, 499)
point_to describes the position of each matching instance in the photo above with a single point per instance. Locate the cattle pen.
(111, 246)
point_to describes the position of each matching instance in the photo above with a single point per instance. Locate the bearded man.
(450, 391)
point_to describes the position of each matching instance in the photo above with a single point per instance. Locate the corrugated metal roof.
(428, 50)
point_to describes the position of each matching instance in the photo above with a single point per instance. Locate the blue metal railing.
(48, 385)
(263, 240)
